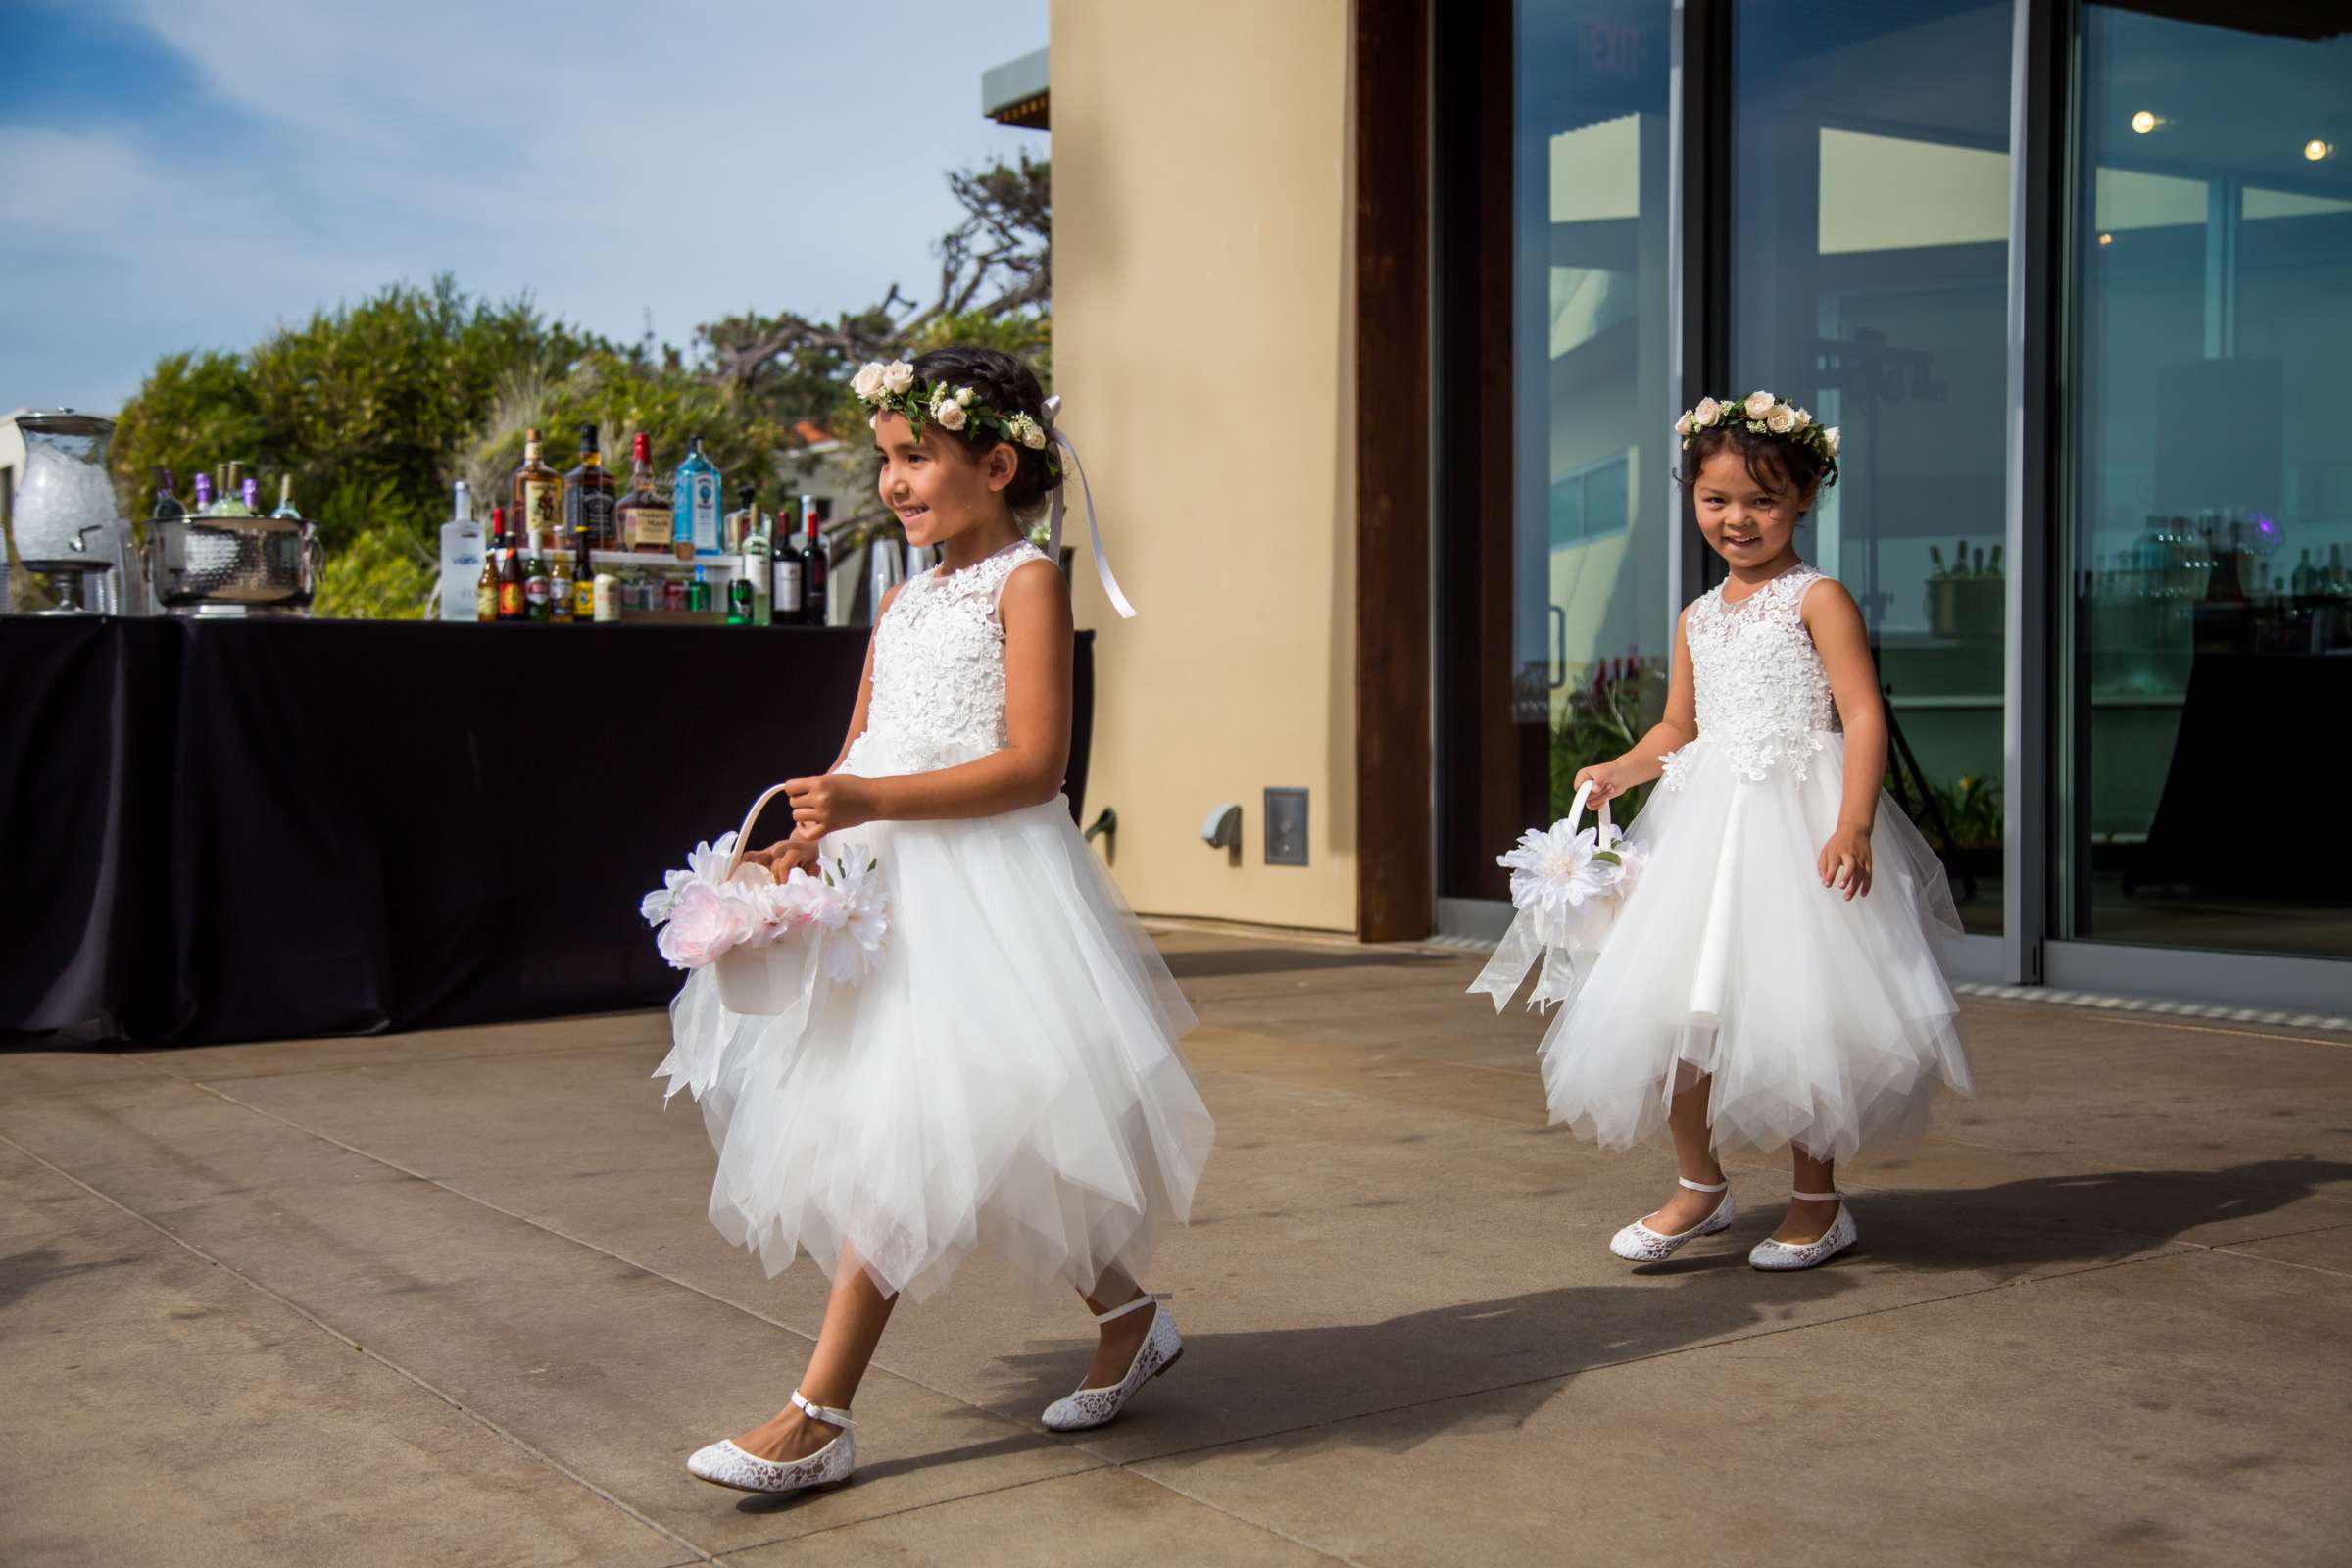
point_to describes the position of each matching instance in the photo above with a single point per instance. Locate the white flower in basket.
(721, 913)
(1568, 886)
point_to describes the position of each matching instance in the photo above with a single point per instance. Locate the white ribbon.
(1515, 956)
(1094, 529)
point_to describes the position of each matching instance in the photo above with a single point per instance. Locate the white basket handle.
(1576, 810)
(743, 833)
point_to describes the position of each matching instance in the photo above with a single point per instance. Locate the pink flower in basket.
(704, 922)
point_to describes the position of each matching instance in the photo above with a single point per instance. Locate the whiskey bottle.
(642, 514)
(588, 497)
(535, 505)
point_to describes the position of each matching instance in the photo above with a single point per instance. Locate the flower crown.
(1765, 414)
(894, 388)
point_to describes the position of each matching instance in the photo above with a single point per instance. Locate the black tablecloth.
(240, 830)
(2246, 807)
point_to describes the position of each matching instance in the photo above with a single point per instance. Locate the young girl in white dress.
(1009, 1074)
(1770, 981)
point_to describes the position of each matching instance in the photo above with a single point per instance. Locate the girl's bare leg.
(1808, 1222)
(1693, 1158)
(1119, 1339)
(855, 1317)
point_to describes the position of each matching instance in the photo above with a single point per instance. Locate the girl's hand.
(828, 804)
(1845, 862)
(784, 856)
(1608, 779)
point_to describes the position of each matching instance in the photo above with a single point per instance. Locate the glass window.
(2209, 491)
(1870, 235)
(1596, 507)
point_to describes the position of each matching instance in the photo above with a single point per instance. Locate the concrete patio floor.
(450, 1299)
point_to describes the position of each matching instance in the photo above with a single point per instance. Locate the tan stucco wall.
(1203, 327)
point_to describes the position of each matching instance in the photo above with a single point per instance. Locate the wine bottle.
(813, 565)
(535, 504)
(588, 498)
(694, 492)
(166, 499)
(739, 600)
(642, 514)
(285, 501)
(204, 495)
(251, 495)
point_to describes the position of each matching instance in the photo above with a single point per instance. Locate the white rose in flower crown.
(1804, 416)
(964, 397)
(1685, 425)
(867, 382)
(898, 376)
(1759, 404)
(1707, 412)
(950, 415)
(1832, 439)
(1781, 419)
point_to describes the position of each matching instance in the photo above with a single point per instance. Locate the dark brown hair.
(1007, 386)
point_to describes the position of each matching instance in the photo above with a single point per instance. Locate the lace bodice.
(939, 671)
(1762, 692)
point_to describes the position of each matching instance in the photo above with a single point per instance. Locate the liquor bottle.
(759, 572)
(513, 596)
(588, 496)
(642, 514)
(739, 602)
(535, 503)
(813, 565)
(739, 525)
(166, 499)
(460, 554)
(694, 492)
(559, 589)
(204, 495)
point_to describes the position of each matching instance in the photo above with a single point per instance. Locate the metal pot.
(236, 564)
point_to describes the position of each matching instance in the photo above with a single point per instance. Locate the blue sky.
(186, 174)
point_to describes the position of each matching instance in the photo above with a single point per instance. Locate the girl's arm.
(800, 850)
(1834, 621)
(1035, 610)
(1677, 729)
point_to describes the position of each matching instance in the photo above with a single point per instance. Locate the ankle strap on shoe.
(1140, 1301)
(1818, 1198)
(1703, 1187)
(821, 1412)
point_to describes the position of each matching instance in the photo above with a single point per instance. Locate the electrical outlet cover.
(1285, 827)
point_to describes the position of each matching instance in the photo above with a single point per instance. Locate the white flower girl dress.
(1009, 1074)
(1825, 1023)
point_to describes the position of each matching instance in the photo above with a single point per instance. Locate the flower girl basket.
(1568, 887)
(765, 980)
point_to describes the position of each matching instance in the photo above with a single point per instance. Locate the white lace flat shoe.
(1785, 1256)
(1096, 1408)
(723, 1464)
(1639, 1244)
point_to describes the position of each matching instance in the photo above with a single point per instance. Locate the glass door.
(2207, 626)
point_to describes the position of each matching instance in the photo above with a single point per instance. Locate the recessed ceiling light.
(2316, 149)
(2143, 122)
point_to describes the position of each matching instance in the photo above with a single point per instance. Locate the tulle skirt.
(1821, 1023)
(1008, 1076)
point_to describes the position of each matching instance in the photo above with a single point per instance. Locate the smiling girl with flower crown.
(1007, 1072)
(1767, 980)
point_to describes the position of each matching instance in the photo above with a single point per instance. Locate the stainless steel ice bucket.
(252, 563)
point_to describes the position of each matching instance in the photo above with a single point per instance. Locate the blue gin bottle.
(694, 495)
